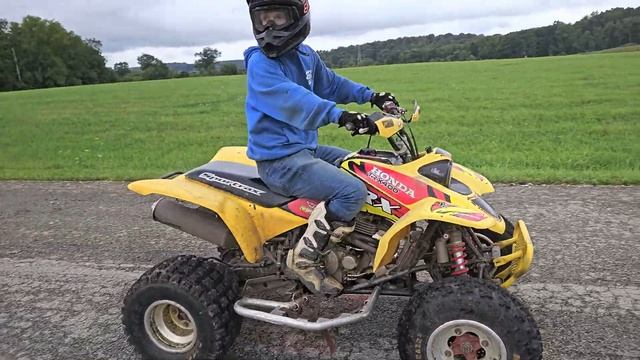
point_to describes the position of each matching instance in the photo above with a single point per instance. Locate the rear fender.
(429, 209)
(237, 154)
(250, 224)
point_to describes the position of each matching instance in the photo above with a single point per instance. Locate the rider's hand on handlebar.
(379, 99)
(358, 123)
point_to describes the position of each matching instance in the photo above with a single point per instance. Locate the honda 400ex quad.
(426, 233)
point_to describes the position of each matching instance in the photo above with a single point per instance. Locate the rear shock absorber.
(457, 254)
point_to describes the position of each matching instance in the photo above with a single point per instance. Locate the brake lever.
(352, 128)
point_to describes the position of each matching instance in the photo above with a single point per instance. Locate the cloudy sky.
(174, 30)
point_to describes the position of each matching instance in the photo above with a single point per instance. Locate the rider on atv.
(291, 94)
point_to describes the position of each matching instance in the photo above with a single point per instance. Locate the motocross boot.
(306, 259)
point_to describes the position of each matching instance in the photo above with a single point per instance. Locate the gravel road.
(70, 250)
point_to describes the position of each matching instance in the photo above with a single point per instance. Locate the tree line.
(152, 68)
(597, 31)
(39, 53)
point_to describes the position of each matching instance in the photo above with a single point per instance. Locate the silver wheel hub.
(465, 339)
(170, 326)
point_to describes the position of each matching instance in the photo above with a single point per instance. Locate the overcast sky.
(174, 30)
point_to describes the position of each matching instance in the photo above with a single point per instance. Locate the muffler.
(194, 220)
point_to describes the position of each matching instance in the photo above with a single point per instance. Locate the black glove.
(379, 99)
(358, 123)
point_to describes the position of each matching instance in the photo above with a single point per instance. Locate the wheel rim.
(465, 340)
(170, 326)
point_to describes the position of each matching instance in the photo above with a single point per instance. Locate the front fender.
(250, 224)
(476, 182)
(429, 209)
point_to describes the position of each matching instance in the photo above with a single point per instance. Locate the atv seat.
(240, 180)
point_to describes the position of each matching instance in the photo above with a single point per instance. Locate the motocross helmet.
(279, 25)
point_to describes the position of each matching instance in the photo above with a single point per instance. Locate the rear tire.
(183, 309)
(467, 313)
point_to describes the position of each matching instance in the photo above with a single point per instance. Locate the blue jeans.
(317, 176)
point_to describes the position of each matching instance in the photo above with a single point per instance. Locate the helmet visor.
(275, 17)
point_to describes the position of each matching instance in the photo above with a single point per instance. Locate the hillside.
(596, 31)
(625, 48)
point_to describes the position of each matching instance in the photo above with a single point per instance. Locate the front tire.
(466, 318)
(183, 309)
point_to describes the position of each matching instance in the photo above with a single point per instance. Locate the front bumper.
(521, 256)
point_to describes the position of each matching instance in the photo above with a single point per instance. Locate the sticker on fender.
(385, 205)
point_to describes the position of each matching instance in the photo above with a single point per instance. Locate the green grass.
(573, 119)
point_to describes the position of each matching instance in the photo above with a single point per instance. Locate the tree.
(152, 68)
(9, 78)
(122, 68)
(40, 53)
(94, 44)
(633, 29)
(228, 69)
(157, 72)
(146, 61)
(207, 60)
(597, 31)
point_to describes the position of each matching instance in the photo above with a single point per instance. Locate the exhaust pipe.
(197, 221)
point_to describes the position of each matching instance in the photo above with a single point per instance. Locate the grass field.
(625, 48)
(573, 119)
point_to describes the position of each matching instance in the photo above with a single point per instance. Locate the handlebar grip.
(390, 108)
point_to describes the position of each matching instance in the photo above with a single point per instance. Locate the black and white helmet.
(279, 25)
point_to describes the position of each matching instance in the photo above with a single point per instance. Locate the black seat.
(240, 180)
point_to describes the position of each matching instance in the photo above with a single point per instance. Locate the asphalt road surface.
(69, 251)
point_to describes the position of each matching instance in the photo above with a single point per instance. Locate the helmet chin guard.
(279, 25)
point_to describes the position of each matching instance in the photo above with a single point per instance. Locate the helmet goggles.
(274, 17)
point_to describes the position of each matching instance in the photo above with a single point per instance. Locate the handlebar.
(403, 143)
(391, 108)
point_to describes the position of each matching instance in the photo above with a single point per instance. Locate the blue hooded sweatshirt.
(289, 98)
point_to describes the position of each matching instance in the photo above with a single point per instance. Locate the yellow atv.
(425, 233)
